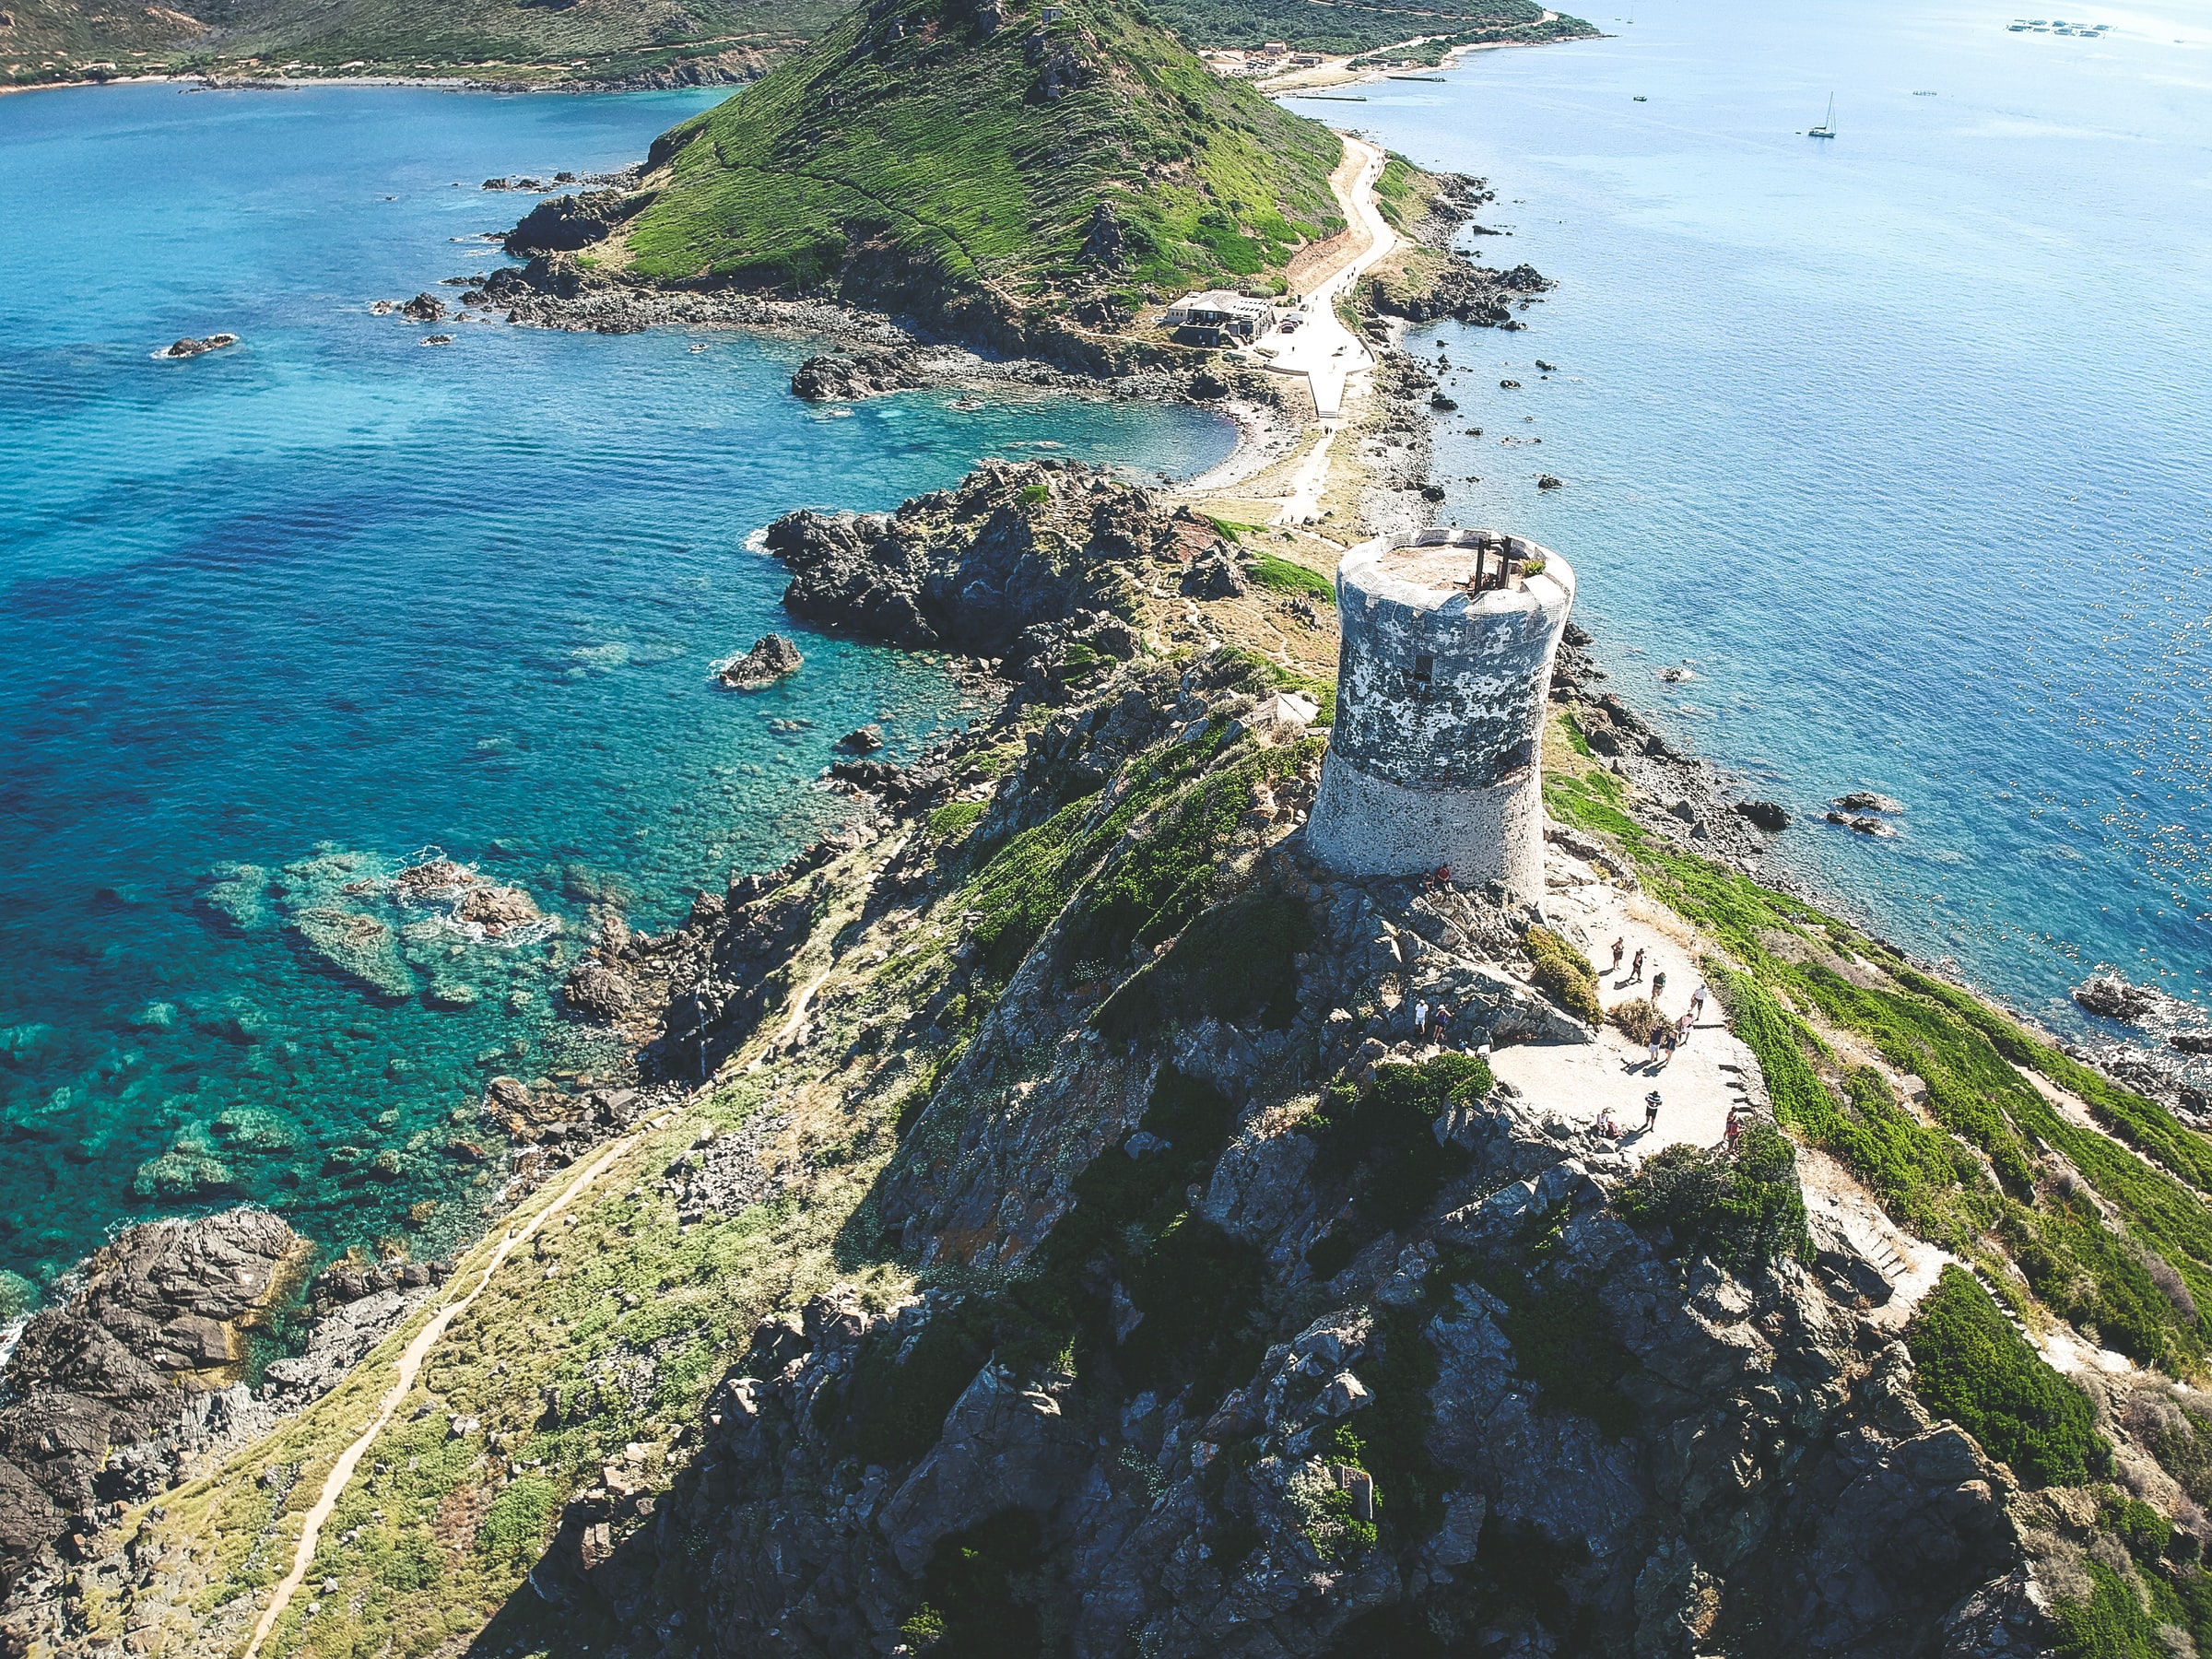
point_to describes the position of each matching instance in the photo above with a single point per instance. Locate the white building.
(1219, 318)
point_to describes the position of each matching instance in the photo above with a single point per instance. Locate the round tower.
(1435, 759)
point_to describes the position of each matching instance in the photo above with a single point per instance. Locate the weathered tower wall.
(1436, 755)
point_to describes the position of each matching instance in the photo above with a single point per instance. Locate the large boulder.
(771, 657)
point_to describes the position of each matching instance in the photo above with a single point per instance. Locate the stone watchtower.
(1441, 690)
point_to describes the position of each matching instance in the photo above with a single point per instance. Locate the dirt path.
(411, 1365)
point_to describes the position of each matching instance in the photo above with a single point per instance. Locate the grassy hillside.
(521, 41)
(1090, 154)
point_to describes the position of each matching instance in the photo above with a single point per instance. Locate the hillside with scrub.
(1056, 1231)
(987, 166)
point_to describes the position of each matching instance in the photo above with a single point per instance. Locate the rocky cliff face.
(158, 1318)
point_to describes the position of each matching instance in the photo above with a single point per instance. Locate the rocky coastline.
(1023, 574)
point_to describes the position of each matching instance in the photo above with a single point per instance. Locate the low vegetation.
(1970, 1365)
(1563, 974)
(2109, 1227)
(1739, 1208)
(1350, 29)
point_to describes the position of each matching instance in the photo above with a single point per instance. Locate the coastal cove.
(331, 594)
(1897, 445)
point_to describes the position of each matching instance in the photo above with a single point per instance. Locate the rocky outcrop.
(157, 1315)
(771, 659)
(849, 375)
(1757, 1469)
(996, 568)
(563, 224)
(190, 348)
(1461, 290)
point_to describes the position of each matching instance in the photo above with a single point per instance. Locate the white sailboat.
(1827, 129)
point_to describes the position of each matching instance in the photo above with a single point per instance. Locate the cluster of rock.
(1021, 560)
(1781, 1476)
(563, 224)
(1862, 810)
(1678, 795)
(862, 372)
(2170, 1063)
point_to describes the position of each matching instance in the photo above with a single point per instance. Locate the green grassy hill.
(1026, 159)
(520, 40)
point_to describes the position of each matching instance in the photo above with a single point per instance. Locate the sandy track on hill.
(411, 1365)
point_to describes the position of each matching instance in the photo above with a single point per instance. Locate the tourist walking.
(1683, 1028)
(1619, 946)
(1658, 986)
(1650, 1111)
(1651, 1047)
(1735, 1128)
(1420, 1020)
(1697, 1000)
(1667, 1040)
(1443, 1024)
(1636, 967)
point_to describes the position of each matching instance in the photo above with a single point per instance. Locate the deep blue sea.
(277, 618)
(1902, 440)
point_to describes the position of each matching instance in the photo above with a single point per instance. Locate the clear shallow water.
(1904, 439)
(330, 596)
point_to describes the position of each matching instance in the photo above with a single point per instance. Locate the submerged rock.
(863, 740)
(359, 947)
(1866, 800)
(239, 893)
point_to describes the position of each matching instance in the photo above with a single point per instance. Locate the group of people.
(1609, 1126)
(1432, 1024)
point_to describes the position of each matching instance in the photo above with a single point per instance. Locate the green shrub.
(1972, 1366)
(1399, 1369)
(1035, 494)
(1284, 577)
(1563, 974)
(955, 818)
(1233, 962)
(1200, 1290)
(1385, 1139)
(1737, 1209)
(1563, 1339)
(892, 1412)
(2111, 1624)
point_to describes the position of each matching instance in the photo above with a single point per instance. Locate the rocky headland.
(1045, 1221)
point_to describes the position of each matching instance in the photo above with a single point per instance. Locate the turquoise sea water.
(315, 603)
(1904, 438)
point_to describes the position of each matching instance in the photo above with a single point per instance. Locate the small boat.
(1827, 129)
(2016, 27)
(1641, 98)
